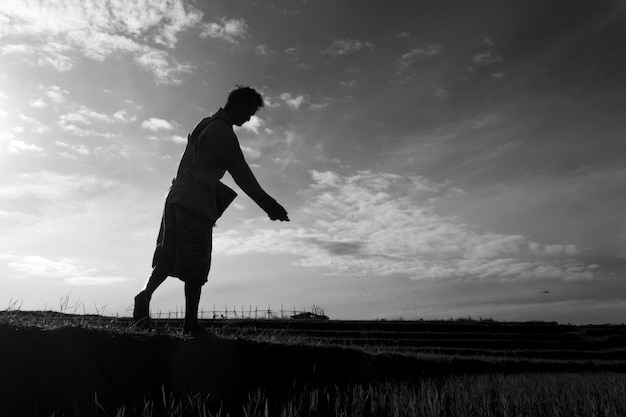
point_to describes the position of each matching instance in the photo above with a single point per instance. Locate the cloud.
(295, 56)
(123, 116)
(35, 265)
(38, 126)
(84, 115)
(52, 186)
(17, 146)
(56, 94)
(80, 149)
(95, 281)
(407, 60)
(178, 139)
(155, 124)
(254, 124)
(263, 50)
(486, 58)
(293, 102)
(346, 47)
(250, 153)
(382, 224)
(59, 33)
(162, 66)
(66, 269)
(229, 30)
(440, 92)
(37, 103)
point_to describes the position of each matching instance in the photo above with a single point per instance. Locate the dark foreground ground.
(54, 364)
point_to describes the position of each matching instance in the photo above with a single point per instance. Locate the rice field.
(56, 364)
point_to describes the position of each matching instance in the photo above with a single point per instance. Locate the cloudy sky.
(437, 159)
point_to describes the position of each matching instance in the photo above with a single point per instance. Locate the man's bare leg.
(141, 313)
(156, 279)
(192, 302)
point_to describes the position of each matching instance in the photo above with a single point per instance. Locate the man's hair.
(245, 95)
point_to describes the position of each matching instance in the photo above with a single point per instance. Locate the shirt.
(212, 149)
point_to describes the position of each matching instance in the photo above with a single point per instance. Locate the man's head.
(242, 104)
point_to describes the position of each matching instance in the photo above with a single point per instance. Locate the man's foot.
(198, 331)
(141, 313)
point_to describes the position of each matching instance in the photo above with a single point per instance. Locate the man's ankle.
(191, 324)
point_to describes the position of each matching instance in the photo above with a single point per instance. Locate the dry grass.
(87, 366)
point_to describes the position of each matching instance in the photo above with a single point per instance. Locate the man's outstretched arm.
(245, 179)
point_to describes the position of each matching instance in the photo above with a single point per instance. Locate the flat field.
(74, 365)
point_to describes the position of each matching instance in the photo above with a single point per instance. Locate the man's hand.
(277, 212)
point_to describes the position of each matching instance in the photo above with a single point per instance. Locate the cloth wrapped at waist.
(224, 195)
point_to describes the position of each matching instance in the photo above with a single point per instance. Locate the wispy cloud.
(37, 126)
(82, 115)
(404, 64)
(156, 124)
(250, 153)
(440, 92)
(165, 70)
(297, 57)
(79, 149)
(177, 139)
(48, 185)
(229, 30)
(486, 57)
(79, 131)
(38, 103)
(68, 270)
(346, 47)
(122, 115)
(56, 94)
(86, 116)
(18, 146)
(60, 33)
(382, 225)
(293, 102)
(254, 124)
(263, 50)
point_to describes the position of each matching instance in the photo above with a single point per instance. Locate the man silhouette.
(197, 199)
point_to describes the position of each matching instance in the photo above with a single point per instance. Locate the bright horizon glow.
(441, 162)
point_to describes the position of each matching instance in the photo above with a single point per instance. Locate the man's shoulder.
(220, 120)
(218, 126)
